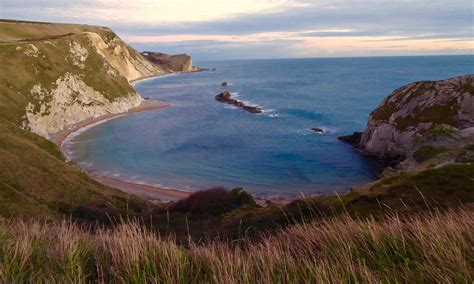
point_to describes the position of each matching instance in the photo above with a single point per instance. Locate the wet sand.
(152, 193)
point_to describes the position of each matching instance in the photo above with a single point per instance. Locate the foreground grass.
(433, 247)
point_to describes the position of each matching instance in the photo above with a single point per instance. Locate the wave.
(270, 113)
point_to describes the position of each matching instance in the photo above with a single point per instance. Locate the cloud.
(221, 50)
(289, 27)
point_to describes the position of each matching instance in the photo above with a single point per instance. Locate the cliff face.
(171, 63)
(402, 119)
(56, 75)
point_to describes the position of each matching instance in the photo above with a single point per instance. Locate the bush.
(214, 201)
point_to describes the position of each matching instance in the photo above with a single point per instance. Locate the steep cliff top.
(436, 102)
(22, 31)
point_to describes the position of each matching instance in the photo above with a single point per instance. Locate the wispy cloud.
(290, 28)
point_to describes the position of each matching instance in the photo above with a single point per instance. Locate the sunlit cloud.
(215, 29)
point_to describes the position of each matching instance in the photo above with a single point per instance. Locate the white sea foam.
(270, 113)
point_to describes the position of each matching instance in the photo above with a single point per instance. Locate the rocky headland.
(171, 63)
(226, 97)
(423, 125)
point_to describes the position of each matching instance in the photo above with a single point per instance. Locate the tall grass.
(433, 247)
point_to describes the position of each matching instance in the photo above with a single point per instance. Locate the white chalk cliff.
(69, 78)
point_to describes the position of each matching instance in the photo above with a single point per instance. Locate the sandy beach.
(152, 193)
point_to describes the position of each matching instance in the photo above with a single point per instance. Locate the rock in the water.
(317, 129)
(225, 97)
(252, 109)
(353, 139)
(224, 84)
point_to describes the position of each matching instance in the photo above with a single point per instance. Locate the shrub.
(213, 201)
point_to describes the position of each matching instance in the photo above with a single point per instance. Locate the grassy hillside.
(35, 180)
(447, 187)
(20, 73)
(12, 31)
(426, 248)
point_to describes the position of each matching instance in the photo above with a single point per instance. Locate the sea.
(199, 143)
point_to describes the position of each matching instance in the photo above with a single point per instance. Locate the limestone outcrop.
(69, 102)
(171, 63)
(413, 110)
(422, 125)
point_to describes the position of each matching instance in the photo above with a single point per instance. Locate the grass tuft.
(431, 248)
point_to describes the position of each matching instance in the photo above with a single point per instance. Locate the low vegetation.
(35, 181)
(432, 247)
(426, 153)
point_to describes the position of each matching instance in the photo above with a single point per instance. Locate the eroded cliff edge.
(171, 63)
(423, 124)
(56, 75)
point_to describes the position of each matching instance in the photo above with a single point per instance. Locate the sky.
(249, 29)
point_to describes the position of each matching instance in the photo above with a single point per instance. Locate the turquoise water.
(198, 143)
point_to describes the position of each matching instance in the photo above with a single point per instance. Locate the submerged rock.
(225, 97)
(353, 139)
(224, 84)
(317, 129)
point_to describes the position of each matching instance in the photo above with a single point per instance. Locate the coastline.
(152, 193)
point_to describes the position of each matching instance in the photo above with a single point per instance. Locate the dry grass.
(434, 247)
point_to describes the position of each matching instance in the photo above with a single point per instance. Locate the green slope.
(35, 180)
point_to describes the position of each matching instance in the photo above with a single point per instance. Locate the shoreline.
(59, 137)
(152, 193)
